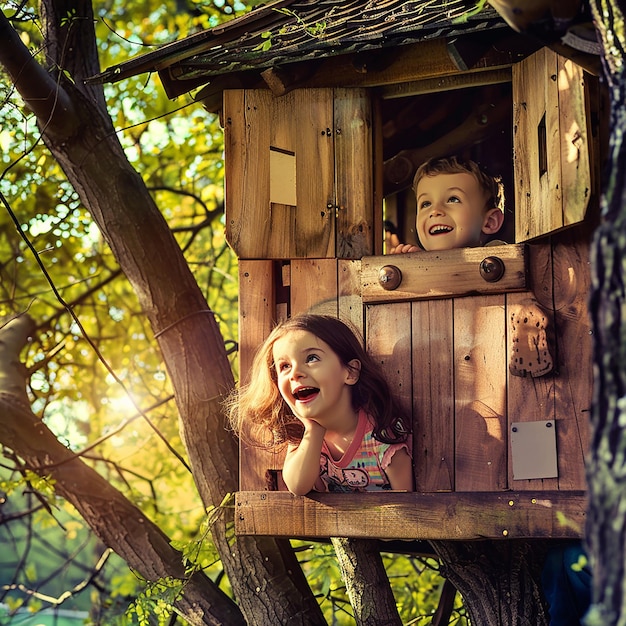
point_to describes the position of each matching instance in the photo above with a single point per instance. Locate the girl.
(314, 387)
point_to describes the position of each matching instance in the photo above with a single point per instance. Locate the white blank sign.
(533, 447)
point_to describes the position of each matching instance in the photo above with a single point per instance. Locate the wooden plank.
(256, 309)
(533, 399)
(281, 125)
(529, 399)
(443, 274)
(537, 150)
(349, 289)
(256, 312)
(314, 286)
(314, 218)
(388, 340)
(574, 379)
(396, 515)
(575, 142)
(447, 83)
(243, 134)
(480, 393)
(354, 162)
(378, 170)
(433, 395)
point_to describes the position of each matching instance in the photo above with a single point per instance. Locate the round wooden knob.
(389, 277)
(492, 269)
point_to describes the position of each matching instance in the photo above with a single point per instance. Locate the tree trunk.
(499, 580)
(606, 527)
(366, 581)
(263, 572)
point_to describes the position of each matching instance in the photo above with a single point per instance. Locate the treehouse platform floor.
(404, 515)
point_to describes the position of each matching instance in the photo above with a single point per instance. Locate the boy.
(458, 205)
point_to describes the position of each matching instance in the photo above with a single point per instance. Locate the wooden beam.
(282, 80)
(426, 59)
(443, 274)
(400, 515)
(452, 82)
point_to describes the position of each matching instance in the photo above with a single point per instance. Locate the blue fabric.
(566, 588)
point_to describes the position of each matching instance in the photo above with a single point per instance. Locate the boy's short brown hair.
(492, 185)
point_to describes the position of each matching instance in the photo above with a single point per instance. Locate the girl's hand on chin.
(310, 424)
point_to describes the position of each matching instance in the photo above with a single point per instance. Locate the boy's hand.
(402, 248)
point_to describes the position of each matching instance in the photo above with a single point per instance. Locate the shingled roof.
(287, 31)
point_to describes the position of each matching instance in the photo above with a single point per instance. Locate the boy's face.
(451, 211)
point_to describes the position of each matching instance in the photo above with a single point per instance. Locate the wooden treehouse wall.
(448, 339)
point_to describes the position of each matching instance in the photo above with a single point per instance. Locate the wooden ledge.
(444, 274)
(401, 515)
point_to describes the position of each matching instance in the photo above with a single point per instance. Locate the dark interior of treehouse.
(472, 123)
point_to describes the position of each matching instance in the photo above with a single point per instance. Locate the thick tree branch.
(40, 91)
(114, 519)
(366, 581)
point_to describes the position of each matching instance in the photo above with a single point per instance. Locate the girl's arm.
(302, 463)
(400, 471)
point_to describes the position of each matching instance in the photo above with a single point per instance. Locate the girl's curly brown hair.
(260, 416)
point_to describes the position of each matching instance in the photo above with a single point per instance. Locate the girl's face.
(311, 378)
(450, 211)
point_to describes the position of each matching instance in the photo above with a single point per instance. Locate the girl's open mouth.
(304, 393)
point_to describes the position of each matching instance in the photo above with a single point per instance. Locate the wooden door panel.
(551, 145)
(263, 135)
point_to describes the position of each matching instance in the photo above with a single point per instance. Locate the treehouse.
(327, 110)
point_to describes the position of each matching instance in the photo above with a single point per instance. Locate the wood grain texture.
(354, 163)
(433, 395)
(427, 275)
(396, 515)
(480, 393)
(299, 123)
(537, 159)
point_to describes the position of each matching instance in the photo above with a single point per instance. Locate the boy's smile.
(451, 211)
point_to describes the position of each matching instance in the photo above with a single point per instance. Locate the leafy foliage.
(96, 377)
(415, 581)
(154, 604)
(100, 384)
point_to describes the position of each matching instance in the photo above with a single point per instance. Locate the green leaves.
(28, 480)
(267, 43)
(155, 604)
(69, 17)
(179, 153)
